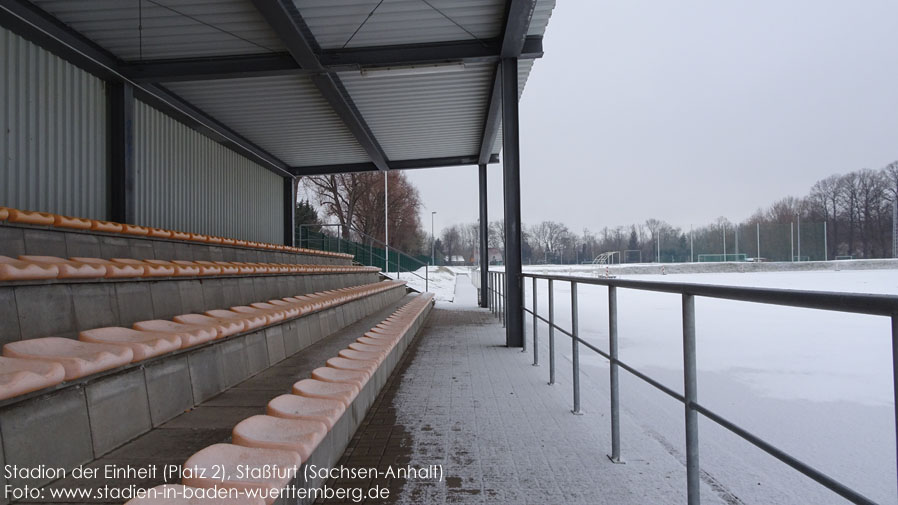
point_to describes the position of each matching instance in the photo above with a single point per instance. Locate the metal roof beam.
(336, 60)
(451, 161)
(517, 22)
(288, 24)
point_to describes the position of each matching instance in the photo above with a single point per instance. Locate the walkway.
(464, 401)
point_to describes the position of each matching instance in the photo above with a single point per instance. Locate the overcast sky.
(690, 110)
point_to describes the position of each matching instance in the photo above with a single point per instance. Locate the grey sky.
(690, 110)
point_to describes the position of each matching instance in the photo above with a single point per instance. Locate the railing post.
(503, 298)
(575, 350)
(500, 286)
(613, 379)
(690, 389)
(489, 282)
(535, 338)
(551, 333)
(496, 294)
(895, 374)
(426, 277)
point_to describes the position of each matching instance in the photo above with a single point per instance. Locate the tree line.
(356, 202)
(842, 216)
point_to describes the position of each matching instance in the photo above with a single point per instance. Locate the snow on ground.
(440, 280)
(816, 383)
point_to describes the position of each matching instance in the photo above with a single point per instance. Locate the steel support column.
(289, 212)
(120, 151)
(511, 164)
(484, 240)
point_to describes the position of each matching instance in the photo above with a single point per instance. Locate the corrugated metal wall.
(52, 122)
(188, 182)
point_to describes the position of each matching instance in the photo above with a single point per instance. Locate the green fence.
(365, 254)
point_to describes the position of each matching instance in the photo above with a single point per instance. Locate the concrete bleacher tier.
(102, 349)
(35, 233)
(68, 401)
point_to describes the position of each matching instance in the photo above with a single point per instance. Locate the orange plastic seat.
(228, 241)
(271, 315)
(181, 269)
(148, 269)
(4, 213)
(191, 334)
(293, 306)
(353, 364)
(105, 226)
(227, 268)
(302, 407)
(78, 358)
(213, 240)
(289, 310)
(20, 376)
(69, 269)
(250, 321)
(143, 344)
(179, 494)
(31, 217)
(12, 269)
(113, 270)
(242, 468)
(225, 327)
(327, 374)
(159, 233)
(377, 357)
(71, 222)
(311, 388)
(180, 235)
(244, 268)
(301, 436)
(377, 341)
(381, 349)
(198, 237)
(202, 267)
(133, 229)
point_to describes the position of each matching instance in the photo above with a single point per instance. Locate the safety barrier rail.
(878, 305)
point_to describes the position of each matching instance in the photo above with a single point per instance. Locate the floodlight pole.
(691, 245)
(799, 236)
(758, 232)
(724, 226)
(432, 241)
(386, 227)
(792, 241)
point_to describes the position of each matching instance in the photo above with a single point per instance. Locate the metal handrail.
(386, 247)
(879, 305)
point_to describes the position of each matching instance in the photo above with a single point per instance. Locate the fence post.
(613, 371)
(551, 333)
(535, 339)
(690, 389)
(575, 350)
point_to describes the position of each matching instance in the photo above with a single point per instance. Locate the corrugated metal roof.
(284, 115)
(424, 116)
(524, 69)
(333, 22)
(171, 28)
(541, 15)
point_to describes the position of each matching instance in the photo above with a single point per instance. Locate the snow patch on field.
(440, 280)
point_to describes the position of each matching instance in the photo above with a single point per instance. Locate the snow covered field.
(441, 280)
(817, 384)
